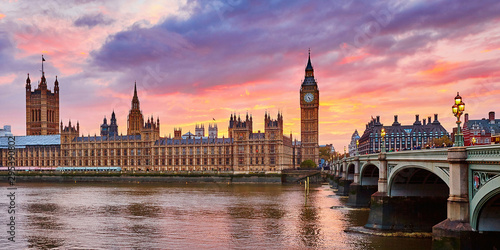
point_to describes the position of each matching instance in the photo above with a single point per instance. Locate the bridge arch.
(485, 215)
(350, 171)
(368, 174)
(425, 180)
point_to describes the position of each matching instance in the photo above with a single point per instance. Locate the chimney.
(466, 119)
(417, 121)
(396, 123)
(378, 119)
(428, 120)
(435, 117)
(424, 121)
(491, 116)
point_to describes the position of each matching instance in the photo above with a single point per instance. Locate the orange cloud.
(484, 51)
(350, 59)
(2, 16)
(440, 68)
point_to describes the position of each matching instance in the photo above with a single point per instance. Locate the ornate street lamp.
(458, 109)
(345, 154)
(357, 146)
(473, 141)
(382, 133)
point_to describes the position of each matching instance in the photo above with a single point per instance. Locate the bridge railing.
(485, 153)
(439, 154)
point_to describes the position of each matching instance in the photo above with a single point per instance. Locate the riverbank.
(289, 176)
(168, 177)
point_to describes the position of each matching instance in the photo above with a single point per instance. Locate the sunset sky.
(195, 61)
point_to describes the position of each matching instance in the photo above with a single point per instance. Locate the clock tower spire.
(309, 114)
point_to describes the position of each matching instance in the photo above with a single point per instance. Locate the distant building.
(5, 131)
(482, 130)
(400, 137)
(353, 150)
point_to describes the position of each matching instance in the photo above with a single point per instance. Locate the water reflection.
(309, 228)
(240, 212)
(110, 210)
(43, 208)
(144, 210)
(43, 242)
(45, 222)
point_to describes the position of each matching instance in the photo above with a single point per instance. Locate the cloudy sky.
(195, 61)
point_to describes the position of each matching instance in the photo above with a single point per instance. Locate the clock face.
(309, 97)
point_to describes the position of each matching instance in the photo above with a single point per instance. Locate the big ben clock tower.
(309, 107)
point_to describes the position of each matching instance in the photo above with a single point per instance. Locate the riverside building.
(400, 137)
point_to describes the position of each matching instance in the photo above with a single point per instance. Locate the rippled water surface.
(194, 216)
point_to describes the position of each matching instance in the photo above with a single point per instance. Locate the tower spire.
(309, 66)
(43, 60)
(135, 89)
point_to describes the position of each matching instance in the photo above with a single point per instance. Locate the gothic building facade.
(142, 148)
(42, 107)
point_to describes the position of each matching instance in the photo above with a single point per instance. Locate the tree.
(308, 164)
(438, 142)
(324, 153)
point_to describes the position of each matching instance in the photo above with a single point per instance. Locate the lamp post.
(458, 109)
(357, 147)
(345, 153)
(473, 141)
(382, 133)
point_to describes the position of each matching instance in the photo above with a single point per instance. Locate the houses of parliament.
(49, 144)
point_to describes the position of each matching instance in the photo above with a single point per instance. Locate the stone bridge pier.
(338, 173)
(456, 231)
(346, 179)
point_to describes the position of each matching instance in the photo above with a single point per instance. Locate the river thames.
(187, 216)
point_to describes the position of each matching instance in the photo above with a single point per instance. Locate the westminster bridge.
(453, 192)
